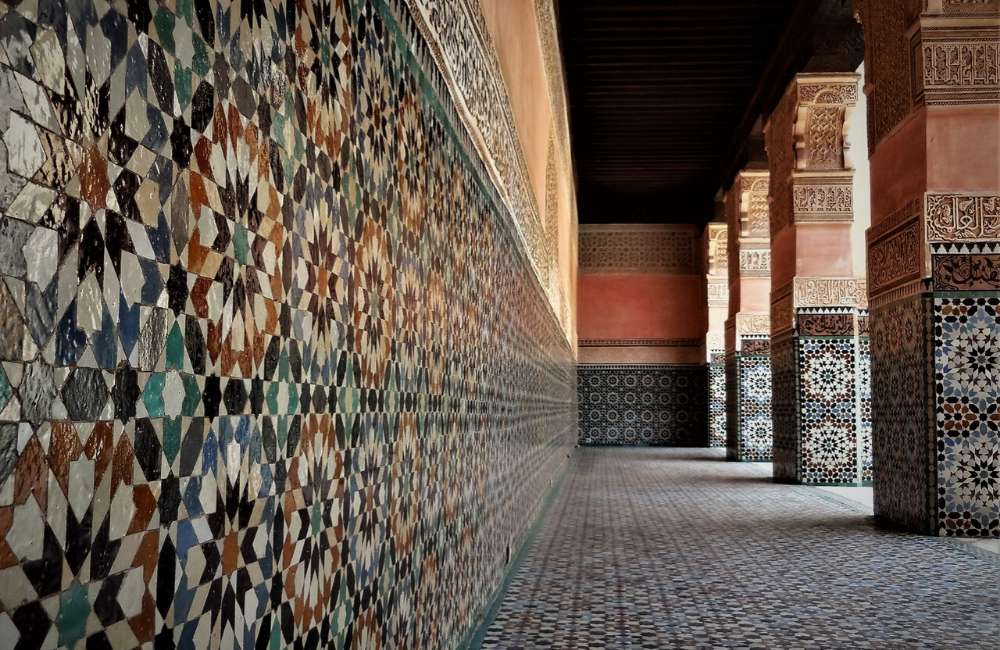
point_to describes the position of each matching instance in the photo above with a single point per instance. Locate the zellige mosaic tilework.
(717, 401)
(642, 404)
(749, 430)
(275, 368)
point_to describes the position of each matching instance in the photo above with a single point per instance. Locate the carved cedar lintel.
(957, 62)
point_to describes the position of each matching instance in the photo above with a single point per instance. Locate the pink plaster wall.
(634, 306)
(937, 148)
(812, 250)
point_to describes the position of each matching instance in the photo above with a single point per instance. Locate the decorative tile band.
(642, 404)
(966, 364)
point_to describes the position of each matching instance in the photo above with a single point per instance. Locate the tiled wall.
(749, 427)
(936, 454)
(717, 400)
(822, 402)
(275, 370)
(642, 404)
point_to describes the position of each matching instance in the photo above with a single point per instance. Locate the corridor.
(654, 548)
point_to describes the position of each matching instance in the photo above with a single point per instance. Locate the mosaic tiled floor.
(656, 548)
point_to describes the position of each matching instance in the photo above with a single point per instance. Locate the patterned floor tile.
(671, 548)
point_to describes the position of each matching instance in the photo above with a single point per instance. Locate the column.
(717, 290)
(819, 358)
(932, 79)
(748, 364)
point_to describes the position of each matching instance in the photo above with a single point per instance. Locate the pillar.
(748, 365)
(717, 291)
(932, 79)
(818, 351)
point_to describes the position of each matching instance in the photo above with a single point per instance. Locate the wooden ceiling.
(662, 96)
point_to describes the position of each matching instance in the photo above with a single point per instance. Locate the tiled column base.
(822, 430)
(717, 400)
(936, 407)
(748, 401)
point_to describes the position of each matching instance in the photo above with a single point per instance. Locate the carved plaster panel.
(718, 254)
(754, 206)
(747, 324)
(755, 261)
(895, 249)
(638, 248)
(828, 292)
(718, 293)
(958, 65)
(823, 199)
(962, 217)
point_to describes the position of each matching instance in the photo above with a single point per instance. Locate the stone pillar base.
(822, 399)
(717, 399)
(748, 401)
(937, 412)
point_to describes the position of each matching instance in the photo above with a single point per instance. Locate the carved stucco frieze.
(755, 261)
(754, 208)
(718, 293)
(808, 150)
(830, 292)
(896, 249)
(819, 199)
(823, 104)
(748, 324)
(962, 217)
(967, 7)
(637, 248)
(944, 52)
(717, 245)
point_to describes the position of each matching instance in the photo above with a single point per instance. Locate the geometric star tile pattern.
(717, 401)
(676, 548)
(749, 427)
(274, 369)
(967, 408)
(642, 404)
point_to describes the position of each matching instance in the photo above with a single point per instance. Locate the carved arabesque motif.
(635, 248)
(828, 201)
(824, 139)
(960, 217)
(887, 62)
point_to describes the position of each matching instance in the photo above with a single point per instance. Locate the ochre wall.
(641, 306)
(523, 34)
